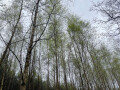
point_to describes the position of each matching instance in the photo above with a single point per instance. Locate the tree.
(76, 30)
(110, 10)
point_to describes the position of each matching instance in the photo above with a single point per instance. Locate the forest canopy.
(45, 47)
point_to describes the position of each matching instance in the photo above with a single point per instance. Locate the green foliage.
(75, 24)
(76, 63)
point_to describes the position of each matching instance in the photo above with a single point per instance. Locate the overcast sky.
(82, 8)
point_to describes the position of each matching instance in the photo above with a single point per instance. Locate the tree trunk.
(56, 57)
(65, 79)
(29, 50)
(1, 87)
(13, 33)
(48, 81)
(23, 87)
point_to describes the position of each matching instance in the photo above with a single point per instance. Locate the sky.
(82, 8)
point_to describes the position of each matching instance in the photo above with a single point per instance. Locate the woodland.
(45, 47)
